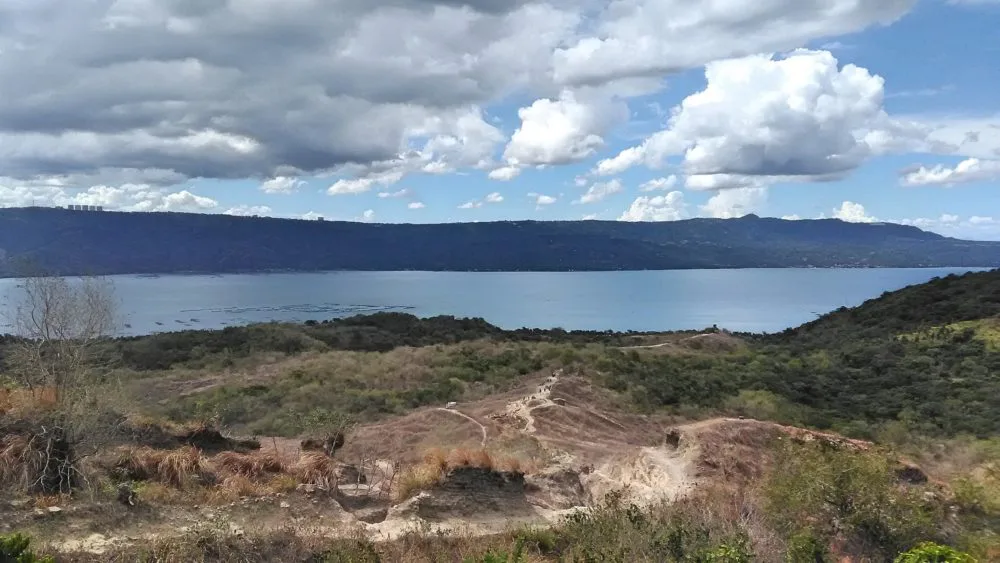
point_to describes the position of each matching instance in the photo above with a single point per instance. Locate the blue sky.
(413, 111)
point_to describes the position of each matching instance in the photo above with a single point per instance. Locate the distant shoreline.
(153, 275)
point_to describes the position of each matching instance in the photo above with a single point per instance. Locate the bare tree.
(60, 355)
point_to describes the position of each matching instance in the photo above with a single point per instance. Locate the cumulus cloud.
(416, 205)
(561, 131)
(655, 37)
(195, 86)
(281, 185)
(367, 217)
(967, 171)
(127, 197)
(311, 216)
(505, 173)
(601, 190)
(852, 212)
(669, 207)
(763, 119)
(657, 184)
(541, 200)
(734, 203)
(248, 210)
(494, 197)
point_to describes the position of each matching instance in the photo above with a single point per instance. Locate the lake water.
(767, 300)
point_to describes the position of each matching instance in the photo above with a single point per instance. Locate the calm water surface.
(743, 300)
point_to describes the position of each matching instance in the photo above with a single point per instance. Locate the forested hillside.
(75, 242)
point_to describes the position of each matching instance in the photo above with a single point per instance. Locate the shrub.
(15, 549)
(849, 493)
(929, 552)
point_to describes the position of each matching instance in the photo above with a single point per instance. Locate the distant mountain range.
(77, 242)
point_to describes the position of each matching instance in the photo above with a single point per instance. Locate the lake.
(762, 300)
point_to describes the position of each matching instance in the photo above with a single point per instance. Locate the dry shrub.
(316, 469)
(179, 466)
(237, 486)
(22, 461)
(252, 466)
(417, 478)
(478, 458)
(20, 402)
(170, 467)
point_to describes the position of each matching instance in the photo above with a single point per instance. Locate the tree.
(59, 324)
(59, 357)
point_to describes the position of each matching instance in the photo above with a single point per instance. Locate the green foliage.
(854, 494)
(929, 552)
(514, 556)
(807, 547)
(15, 549)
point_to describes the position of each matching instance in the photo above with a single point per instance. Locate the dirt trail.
(542, 397)
(470, 419)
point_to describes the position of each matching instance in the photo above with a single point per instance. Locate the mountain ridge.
(77, 242)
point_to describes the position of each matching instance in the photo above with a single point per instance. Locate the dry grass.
(316, 469)
(437, 463)
(21, 461)
(169, 467)
(256, 466)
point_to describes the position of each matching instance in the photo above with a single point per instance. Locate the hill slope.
(71, 242)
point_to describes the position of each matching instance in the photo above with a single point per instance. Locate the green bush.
(15, 549)
(851, 493)
(929, 552)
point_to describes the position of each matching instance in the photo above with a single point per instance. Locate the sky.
(421, 111)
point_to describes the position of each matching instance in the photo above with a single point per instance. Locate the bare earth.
(575, 448)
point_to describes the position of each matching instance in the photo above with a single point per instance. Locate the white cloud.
(765, 119)
(505, 173)
(494, 197)
(668, 207)
(735, 202)
(248, 210)
(722, 182)
(474, 204)
(368, 216)
(656, 37)
(657, 184)
(852, 212)
(967, 171)
(416, 205)
(281, 185)
(126, 197)
(975, 227)
(311, 216)
(792, 217)
(364, 184)
(562, 131)
(601, 190)
(405, 192)
(590, 217)
(542, 200)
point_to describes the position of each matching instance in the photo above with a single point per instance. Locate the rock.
(54, 510)
(371, 515)
(451, 405)
(126, 495)
(307, 488)
(284, 505)
(559, 401)
(911, 474)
